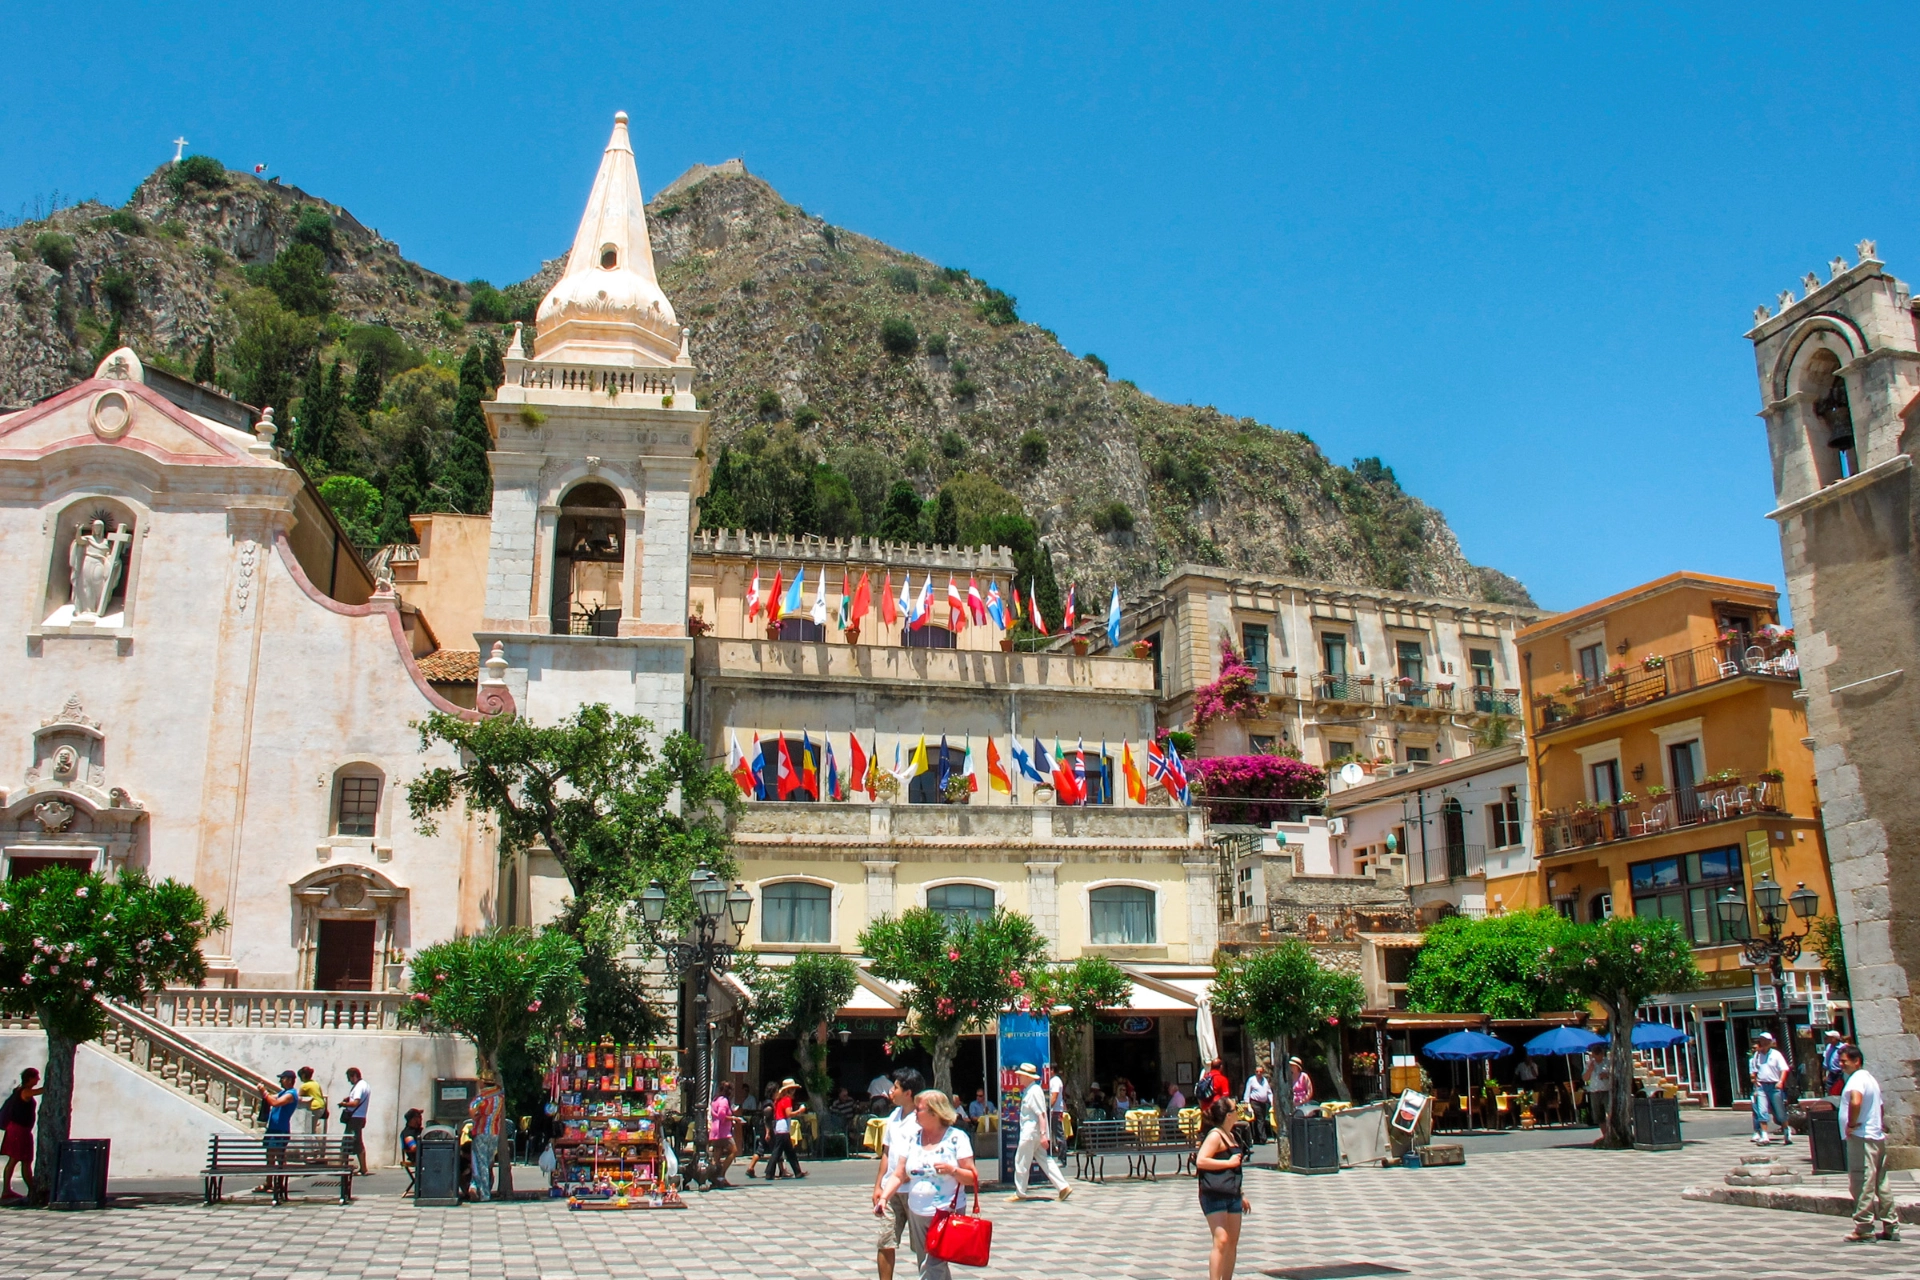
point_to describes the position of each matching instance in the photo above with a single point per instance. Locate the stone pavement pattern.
(1537, 1213)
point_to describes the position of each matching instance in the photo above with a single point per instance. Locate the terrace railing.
(1718, 799)
(1654, 678)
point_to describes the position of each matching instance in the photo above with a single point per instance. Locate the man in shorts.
(901, 1127)
(353, 1110)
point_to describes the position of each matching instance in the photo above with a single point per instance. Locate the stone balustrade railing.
(277, 1010)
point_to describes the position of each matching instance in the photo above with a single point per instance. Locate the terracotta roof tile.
(451, 666)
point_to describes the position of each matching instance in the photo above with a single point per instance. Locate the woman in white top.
(933, 1169)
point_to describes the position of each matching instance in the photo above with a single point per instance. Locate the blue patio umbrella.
(1657, 1035)
(1469, 1047)
(1563, 1040)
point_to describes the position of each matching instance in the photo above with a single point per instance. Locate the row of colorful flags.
(914, 608)
(777, 774)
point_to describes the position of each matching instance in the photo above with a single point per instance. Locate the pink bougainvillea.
(1260, 777)
(1231, 695)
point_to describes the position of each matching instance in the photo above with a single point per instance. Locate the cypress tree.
(901, 520)
(204, 369)
(316, 441)
(720, 505)
(468, 483)
(946, 519)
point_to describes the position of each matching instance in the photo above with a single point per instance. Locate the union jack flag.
(1165, 768)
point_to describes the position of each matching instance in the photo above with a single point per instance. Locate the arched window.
(356, 800)
(589, 554)
(1099, 779)
(806, 769)
(88, 578)
(930, 637)
(802, 629)
(1832, 428)
(1122, 916)
(942, 763)
(796, 911)
(961, 901)
(609, 257)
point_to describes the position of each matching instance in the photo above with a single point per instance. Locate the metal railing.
(1327, 924)
(1717, 800)
(1493, 702)
(1674, 674)
(1259, 813)
(183, 1064)
(1329, 687)
(276, 1010)
(1442, 862)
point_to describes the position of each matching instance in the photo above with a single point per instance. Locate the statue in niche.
(94, 562)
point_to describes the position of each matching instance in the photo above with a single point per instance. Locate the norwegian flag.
(956, 608)
(976, 606)
(1165, 768)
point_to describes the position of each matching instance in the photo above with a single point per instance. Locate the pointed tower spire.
(607, 307)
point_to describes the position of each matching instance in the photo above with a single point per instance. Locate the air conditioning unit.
(1336, 826)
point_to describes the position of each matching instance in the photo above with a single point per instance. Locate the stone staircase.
(1657, 1081)
(178, 1063)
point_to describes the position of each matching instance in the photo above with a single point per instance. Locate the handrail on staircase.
(142, 1024)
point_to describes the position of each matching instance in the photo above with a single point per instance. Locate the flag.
(923, 607)
(1063, 787)
(833, 778)
(946, 770)
(773, 597)
(906, 598)
(996, 775)
(846, 602)
(1080, 773)
(1136, 787)
(887, 614)
(857, 774)
(819, 612)
(1157, 763)
(966, 766)
(956, 608)
(759, 769)
(1023, 761)
(785, 781)
(1013, 596)
(753, 596)
(976, 607)
(809, 775)
(796, 594)
(995, 609)
(738, 767)
(862, 598)
(1066, 620)
(917, 763)
(1113, 618)
(1175, 780)
(1033, 603)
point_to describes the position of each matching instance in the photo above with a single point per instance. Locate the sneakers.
(1762, 1139)
(1064, 1193)
(1890, 1233)
(1859, 1237)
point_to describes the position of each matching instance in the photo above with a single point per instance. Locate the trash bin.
(1315, 1144)
(437, 1176)
(1656, 1124)
(1823, 1135)
(80, 1174)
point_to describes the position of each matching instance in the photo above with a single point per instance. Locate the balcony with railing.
(1657, 677)
(1721, 798)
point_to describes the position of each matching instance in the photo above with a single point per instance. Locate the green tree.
(408, 437)
(57, 249)
(1825, 940)
(197, 171)
(205, 371)
(468, 483)
(835, 511)
(1285, 994)
(270, 349)
(900, 521)
(1073, 995)
(898, 336)
(615, 810)
(364, 396)
(314, 227)
(720, 505)
(962, 971)
(800, 999)
(1032, 563)
(317, 424)
(1491, 966)
(1618, 963)
(946, 518)
(298, 277)
(69, 940)
(504, 989)
(359, 508)
(871, 474)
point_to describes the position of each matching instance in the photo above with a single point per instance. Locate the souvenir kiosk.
(609, 1101)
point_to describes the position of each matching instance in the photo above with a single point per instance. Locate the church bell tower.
(599, 454)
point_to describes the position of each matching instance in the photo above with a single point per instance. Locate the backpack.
(1203, 1089)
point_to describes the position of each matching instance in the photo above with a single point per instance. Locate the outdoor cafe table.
(1143, 1122)
(876, 1133)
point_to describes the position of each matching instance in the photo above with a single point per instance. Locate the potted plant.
(697, 625)
(1141, 649)
(1656, 792)
(853, 634)
(1006, 644)
(1653, 662)
(1079, 646)
(959, 789)
(1772, 775)
(886, 787)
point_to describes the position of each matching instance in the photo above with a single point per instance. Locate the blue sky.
(1509, 250)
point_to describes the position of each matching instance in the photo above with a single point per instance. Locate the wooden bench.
(1094, 1141)
(1143, 1161)
(277, 1157)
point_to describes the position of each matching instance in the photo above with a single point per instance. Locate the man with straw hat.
(1035, 1132)
(786, 1106)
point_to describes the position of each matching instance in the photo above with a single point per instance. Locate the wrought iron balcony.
(1656, 677)
(1719, 799)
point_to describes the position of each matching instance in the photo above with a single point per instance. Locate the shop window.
(805, 629)
(959, 902)
(356, 803)
(1122, 916)
(343, 961)
(930, 637)
(589, 554)
(88, 578)
(1684, 889)
(1253, 644)
(796, 911)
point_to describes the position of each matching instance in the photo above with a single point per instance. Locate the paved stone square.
(1542, 1212)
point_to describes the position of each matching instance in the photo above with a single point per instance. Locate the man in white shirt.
(1259, 1095)
(1768, 1067)
(1035, 1130)
(901, 1132)
(354, 1108)
(1863, 1124)
(1057, 1111)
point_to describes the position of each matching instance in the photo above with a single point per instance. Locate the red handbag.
(958, 1237)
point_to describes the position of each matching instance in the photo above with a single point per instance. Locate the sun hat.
(789, 1083)
(1026, 1069)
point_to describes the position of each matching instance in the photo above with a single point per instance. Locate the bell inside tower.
(589, 552)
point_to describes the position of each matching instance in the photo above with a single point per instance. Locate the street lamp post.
(1776, 949)
(720, 918)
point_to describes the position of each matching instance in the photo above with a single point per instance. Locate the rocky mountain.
(845, 340)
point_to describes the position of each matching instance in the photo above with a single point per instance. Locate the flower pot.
(773, 631)
(1006, 644)
(853, 635)
(1079, 646)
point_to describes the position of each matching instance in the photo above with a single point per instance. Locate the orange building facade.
(1670, 765)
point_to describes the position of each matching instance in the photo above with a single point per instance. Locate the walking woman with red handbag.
(1221, 1199)
(934, 1168)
